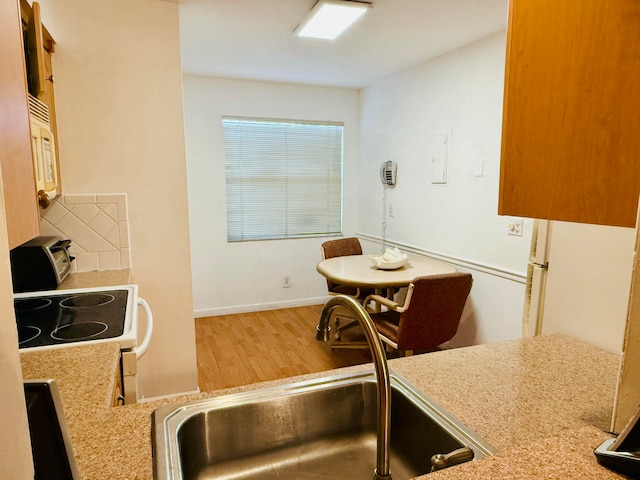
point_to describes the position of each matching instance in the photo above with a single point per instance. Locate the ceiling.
(253, 39)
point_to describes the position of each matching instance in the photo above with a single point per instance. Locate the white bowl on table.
(379, 262)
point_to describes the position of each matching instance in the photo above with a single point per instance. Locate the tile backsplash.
(98, 227)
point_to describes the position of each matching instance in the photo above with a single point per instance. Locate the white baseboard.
(258, 307)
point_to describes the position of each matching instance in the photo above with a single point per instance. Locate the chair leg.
(338, 343)
(340, 329)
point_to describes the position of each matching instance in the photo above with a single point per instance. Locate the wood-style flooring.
(245, 348)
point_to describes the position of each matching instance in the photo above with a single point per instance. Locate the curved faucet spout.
(382, 471)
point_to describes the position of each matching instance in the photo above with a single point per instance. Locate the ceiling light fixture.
(329, 18)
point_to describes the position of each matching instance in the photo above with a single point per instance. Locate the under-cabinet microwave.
(43, 150)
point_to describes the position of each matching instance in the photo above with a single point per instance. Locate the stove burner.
(87, 300)
(27, 333)
(30, 304)
(79, 331)
(67, 317)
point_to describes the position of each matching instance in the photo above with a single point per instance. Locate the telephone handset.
(388, 172)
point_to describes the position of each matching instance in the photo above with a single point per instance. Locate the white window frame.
(283, 178)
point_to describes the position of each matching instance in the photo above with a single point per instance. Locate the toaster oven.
(40, 264)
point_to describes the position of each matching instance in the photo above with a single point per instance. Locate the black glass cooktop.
(68, 318)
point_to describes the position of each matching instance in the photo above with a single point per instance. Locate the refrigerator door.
(536, 278)
(540, 242)
(534, 300)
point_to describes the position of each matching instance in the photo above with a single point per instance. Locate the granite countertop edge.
(544, 403)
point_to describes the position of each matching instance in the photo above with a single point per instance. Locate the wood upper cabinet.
(18, 185)
(571, 120)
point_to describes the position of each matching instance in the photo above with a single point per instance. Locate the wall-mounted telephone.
(388, 172)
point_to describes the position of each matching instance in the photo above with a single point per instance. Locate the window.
(283, 178)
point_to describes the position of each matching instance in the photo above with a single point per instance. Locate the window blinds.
(283, 178)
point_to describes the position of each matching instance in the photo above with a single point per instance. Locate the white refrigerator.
(537, 269)
(578, 282)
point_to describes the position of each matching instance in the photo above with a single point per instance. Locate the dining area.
(415, 302)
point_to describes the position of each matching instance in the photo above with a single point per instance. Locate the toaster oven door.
(60, 258)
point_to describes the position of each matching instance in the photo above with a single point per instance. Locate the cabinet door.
(40, 78)
(571, 120)
(20, 204)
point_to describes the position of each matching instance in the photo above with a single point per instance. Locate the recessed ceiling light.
(329, 18)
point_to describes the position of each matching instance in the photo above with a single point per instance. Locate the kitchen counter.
(542, 402)
(104, 278)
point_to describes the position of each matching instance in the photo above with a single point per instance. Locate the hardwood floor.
(235, 350)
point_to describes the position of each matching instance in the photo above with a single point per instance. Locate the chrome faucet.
(382, 471)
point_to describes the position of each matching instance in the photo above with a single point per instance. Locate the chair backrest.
(433, 314)
(340, 248)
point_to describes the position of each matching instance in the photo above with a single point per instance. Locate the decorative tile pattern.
(98, 227)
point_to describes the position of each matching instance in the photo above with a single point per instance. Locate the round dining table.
(359, 271)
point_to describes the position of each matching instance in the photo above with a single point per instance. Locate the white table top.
(358, 271)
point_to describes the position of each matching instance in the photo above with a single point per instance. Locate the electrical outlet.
(515, 227)
(390, 209)
(286, 281)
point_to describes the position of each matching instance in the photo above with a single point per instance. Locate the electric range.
(57, 318)
(63, 318)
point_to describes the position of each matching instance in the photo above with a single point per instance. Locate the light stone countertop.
(541, 402)
(104, 278)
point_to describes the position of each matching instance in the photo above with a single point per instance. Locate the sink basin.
(324, 428)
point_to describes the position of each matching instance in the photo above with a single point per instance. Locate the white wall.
(245, 276)
(589, 282)
(120, 123)
(459, 93)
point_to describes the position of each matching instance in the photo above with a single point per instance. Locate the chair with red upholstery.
(340, 248)
(429, 316)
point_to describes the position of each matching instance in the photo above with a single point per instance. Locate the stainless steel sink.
(316, 429)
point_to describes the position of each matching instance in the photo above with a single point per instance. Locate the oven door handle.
(142, 348)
